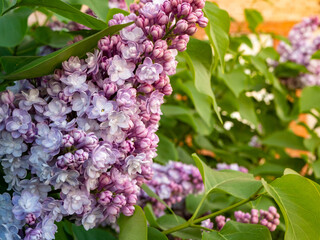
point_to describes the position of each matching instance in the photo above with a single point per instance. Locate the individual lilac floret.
(76, 82)
(75, 201)
(10, 145)
(207, 224)
(149, 72)
(18, 123)
(100, 109)
(25, 204)
(120, 70)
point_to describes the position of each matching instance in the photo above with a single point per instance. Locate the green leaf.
(66, 11)
(247, 110)
(289, 69)
(13, 27)
(96, 233)
(55, 39)
(169, 221)
(184, 156)
(151, 217)
(155, 234)
(99, 7)
(47, 64)
(284, 139)
(61, 232)
(239, 231)
(269, 53)
(6, 4)
(201, 101)
(114, 11)
(217, 30)
(133, 227)
(181, 113)
(316, 169)
(310, 98)
(236, 80)
(253, 18)
(12, 63)
(199, 58)
(298, 199)
(166, 150)
(316, 55)
(236, 183)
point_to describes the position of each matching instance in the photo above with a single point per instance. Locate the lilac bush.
(88, 131)
(304, 42)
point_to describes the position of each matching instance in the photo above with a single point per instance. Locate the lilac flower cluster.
(232, 166)
(172, 183)
(269, 218)
(87, 132)
(175, 181)
(304, 41)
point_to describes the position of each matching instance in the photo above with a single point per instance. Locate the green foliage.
(155, 234)
(65, 10)
(99, 7)
(310, 98)
(166, 150)
(253, 18)
(46, 65)
(239, 231)
(298, 199)
(97, 233)
(236, 183)
(217, 30)
(134, 227)
(199, 57)
(285, 139)
(55, 39)
(13, 27)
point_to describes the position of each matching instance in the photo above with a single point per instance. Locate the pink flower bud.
(7, 97)
(203, 22)
(156, 31)
(166, 7)
(162, 18)
(145, 88)
(192, 28)
(192, 18)
(184, 9)
(181, 27)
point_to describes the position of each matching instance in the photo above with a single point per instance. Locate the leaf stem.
(192, 222)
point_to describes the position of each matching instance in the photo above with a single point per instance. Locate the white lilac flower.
(100, 109)
(56, 110)
(149, 72)
(133, 34)
(75, 82)
(120, 70)
(134, 163)
(130, 51)
(10, 145)
(117, 121)
(80, 102)
(32, 99)
(18, 123)
(75, 201)
(26, 203)
(48, 228)
(103, 157)
(49, 138)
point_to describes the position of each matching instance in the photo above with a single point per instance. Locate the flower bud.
(7, 97)
(67, 141)
(184, 9)
(181, 27)
(192, 28)
(203, 22)
(162, 18)
(156, 31)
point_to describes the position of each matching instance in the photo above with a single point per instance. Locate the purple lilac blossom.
(88, 130)
(304, 42)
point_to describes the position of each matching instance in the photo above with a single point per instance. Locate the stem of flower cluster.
(191, 222)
